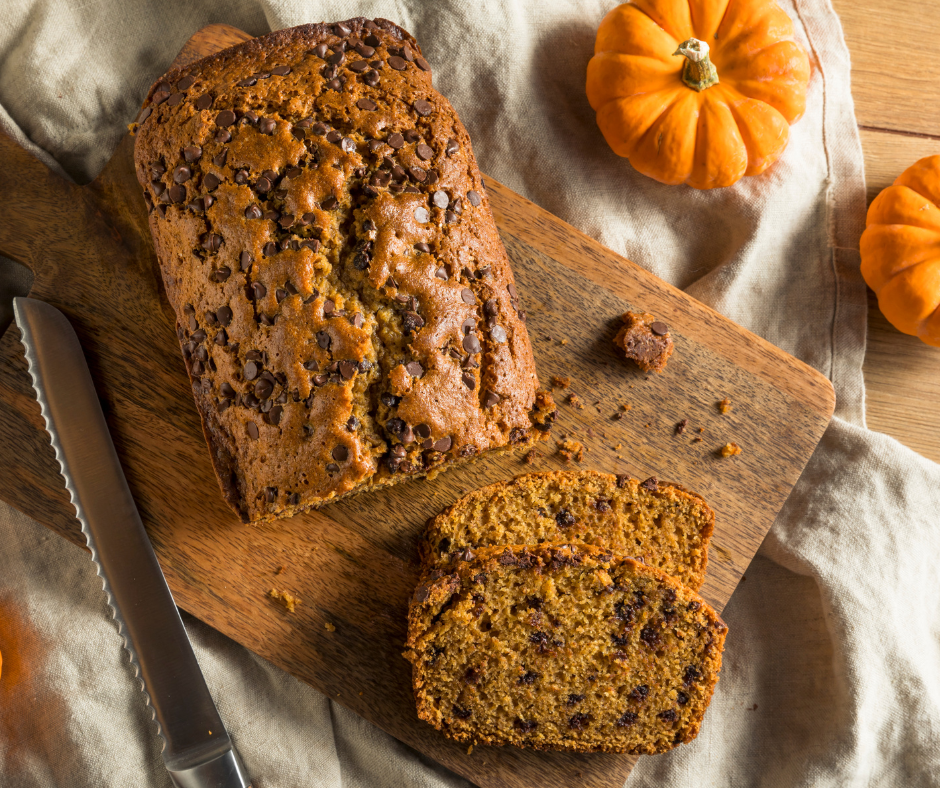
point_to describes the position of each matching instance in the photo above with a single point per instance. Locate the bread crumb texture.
(658, 524)
(287, 600)
(563, 647)
(344, 304)
(644, 340)
(730, 450)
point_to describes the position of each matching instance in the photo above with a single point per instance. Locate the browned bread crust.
(563, 647)
(657, 523)
(344, 304)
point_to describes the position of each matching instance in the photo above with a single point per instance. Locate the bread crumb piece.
(329, 627)
(559, 382)
(564, 341)
(530, 457)
(680, 427)
(696, 440)
(730, 450)
(280, 569)
(575, 401)
(469, 749)
(644, 340)
(289, 601)
(724, 406)
(571, 450)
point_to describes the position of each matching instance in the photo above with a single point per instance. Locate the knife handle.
(226, 771)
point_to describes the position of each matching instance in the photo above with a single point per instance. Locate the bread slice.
(562, 648)
(659, 524)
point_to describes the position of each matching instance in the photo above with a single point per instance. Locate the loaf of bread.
(562, 647)
(344, 304)
(657, 523)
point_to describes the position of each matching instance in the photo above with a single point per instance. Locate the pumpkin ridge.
(639, 6)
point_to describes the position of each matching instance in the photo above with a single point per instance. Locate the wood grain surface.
(896, 87)
(353, 565)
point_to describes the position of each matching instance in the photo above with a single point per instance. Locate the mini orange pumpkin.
(698, 91)
(901, 251)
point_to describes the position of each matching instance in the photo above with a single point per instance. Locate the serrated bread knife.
(197, 749)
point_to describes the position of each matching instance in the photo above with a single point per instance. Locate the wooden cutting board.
(353, 564)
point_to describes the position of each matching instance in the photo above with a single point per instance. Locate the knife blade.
(198, 751)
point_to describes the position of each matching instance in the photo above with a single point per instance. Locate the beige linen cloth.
(832, 669)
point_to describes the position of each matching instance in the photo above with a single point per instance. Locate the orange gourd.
(901, 251)
(700, 92)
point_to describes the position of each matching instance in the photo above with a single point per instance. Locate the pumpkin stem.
(698, 72)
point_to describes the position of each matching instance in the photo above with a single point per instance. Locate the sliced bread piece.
(657, 523)
(562, 648)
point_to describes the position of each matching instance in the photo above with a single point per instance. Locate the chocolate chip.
(161, 94)
(222, 273)
(334, 84)
(660, 329)
(252, 430)
(251, 370)
(182, 174)
(329, 306)
(177, 193)
(627, 719)
(418, 174)
(440, 199)
(682, 698)
(340, 454)
(450, 217)
(498, 334)
(144, 114)
(224, 315)
(452, 147)
(423, 431)
(225, 118)
(341, 29)
(396, 141)
(352, 423)
(474, 198)
(324, 340)
(192, 153)
(320, 50)
(319, 380)
(371, 78)
(421, 215)
(267, 125)
(422, 107)
(367, 104)
(348, 144)
(397, 63)
(241, 177)
(444, 444)
(210, 241)
(252, 212)
(263, 185)
(471, 344)
(652, 484)
(347, 369)
(490, 398)
(175, 99)
(414, 369)
(211, 181)
(280, 71)
(263, 389)
(422, 63)
(246, 259)
(329, 203)
(467, 295)
(258, 291)
(373, 41)
(669, 715)
(274, 417)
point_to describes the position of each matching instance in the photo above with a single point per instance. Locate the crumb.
(289, 601)
(564, 342)
(696, 440)
(360, 692)
(730, 450)
(530, 457)
(575, 401)
(280, 569)
(680, 427)
(700, 429)
(571, 450)
(469, 749)
(329, 627)
(651, 484)
(625, 408)
(617, 416)
(560, 382)
(724, 406)
(618, 447)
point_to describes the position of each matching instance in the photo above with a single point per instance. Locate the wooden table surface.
(896, 85)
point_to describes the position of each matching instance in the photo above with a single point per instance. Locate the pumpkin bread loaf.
(659, 524)
(644, 340)
(562, 647)
(344, 304)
